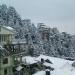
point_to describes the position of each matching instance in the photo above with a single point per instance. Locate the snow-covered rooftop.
(61, 66)
(8, 27)
(29, 60)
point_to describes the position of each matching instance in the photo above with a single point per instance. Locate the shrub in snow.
(73, 64)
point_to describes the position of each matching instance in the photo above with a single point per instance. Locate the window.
(5, 71)
(5, 61)
(0, 28)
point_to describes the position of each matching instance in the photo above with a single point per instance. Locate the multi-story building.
(10, 51)
(6, 61)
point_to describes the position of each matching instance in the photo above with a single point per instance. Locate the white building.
(6, 34)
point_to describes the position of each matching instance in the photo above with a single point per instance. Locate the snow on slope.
(57, 62)
(62, 66)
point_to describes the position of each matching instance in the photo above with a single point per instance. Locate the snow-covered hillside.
(61, 66)
(40, 39)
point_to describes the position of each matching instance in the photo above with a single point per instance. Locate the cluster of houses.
(11, 59)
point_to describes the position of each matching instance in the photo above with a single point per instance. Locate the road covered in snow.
(61, 66)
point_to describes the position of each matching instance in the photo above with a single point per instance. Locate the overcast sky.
(54, 13)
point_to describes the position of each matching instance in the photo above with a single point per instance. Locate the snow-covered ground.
(61, 66)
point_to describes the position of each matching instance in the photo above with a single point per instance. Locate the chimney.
(47, 72)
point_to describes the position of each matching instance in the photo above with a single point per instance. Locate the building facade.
(6, 65)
